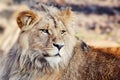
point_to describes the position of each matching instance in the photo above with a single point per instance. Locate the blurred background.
(97, 21)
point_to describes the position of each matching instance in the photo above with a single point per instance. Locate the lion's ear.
(27, 19)
(66, 14)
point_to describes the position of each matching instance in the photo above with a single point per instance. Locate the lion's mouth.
(58, 54)
(47, 55)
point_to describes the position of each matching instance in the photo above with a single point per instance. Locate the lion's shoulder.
(84, 47)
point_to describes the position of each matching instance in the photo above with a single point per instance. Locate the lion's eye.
(44, 30)
(63, 31)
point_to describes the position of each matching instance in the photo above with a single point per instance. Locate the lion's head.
(46, 39)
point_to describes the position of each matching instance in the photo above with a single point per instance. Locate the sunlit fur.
(34, 54)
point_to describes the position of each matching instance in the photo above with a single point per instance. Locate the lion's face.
(48, 36)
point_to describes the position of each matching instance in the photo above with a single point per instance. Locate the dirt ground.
(97, 21)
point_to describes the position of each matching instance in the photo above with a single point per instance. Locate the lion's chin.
(53, 61)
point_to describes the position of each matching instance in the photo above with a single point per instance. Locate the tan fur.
(46, 33)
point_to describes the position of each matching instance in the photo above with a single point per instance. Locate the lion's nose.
(58, 46)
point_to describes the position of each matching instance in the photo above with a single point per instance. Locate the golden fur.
(111, 50)
(47, 49)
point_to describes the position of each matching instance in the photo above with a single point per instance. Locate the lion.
(43, 47)
(47, 49)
